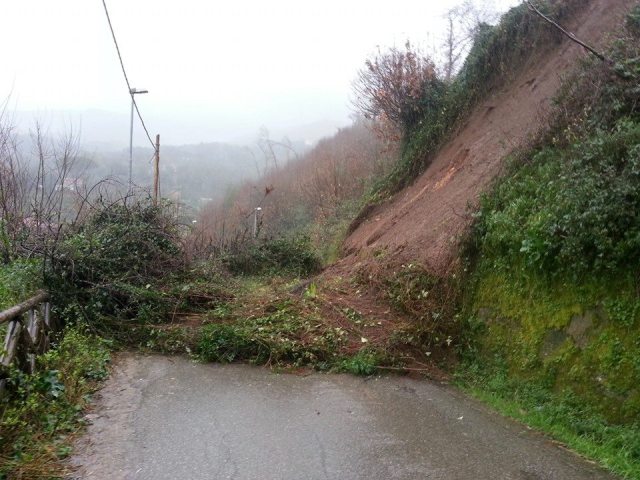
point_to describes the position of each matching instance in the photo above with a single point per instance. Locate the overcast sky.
(215, 70)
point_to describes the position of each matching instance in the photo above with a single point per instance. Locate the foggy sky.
(216, 71)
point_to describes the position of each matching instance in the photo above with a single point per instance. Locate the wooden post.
(156, 172)
(28, 328)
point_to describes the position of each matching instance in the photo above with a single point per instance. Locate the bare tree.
(265, 144)
(463, 24)
(38, 192)
(271, 149)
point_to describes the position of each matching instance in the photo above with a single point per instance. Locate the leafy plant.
(227, 343)
(571, 210)
(293, 256)
(115, 267)
(40, 410)
(364, 363)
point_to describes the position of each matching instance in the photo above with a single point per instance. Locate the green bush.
(570, 205)
(227, 343)
(572, 210)
(293, 256)
(364, 363)
(117, 267)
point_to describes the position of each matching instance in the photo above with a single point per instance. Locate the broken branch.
(568, 34)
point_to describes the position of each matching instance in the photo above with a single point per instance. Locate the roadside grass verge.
(561, 416)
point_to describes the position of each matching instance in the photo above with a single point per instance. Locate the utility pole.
(132, 92)
(156, 172)
(256, 211)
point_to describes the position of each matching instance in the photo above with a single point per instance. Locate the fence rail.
(29, 326)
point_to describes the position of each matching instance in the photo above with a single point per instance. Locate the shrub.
(570, 205)
(18, 281)
(572, 210)
(364, 363)
(293, 256)
(398, 86)
(117, 265)
(226, 343)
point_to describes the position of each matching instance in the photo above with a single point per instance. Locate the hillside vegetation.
(315, 196)
(552, 305)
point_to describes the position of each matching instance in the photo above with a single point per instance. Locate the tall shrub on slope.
(398, 86)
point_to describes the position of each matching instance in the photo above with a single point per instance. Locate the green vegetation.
(18, 281)
(552, 312)
(289, 255)
(113, 266)
(286, 331)
(572, 210)
(563, 337)
(365, 362)
(44, 409)
(283, 337)
(565, 417)
(117, 273)
(125, 268)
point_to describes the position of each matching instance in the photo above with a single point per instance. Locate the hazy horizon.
(215, 72)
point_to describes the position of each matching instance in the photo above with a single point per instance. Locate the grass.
(563, 417)
(18, 281)
(41, 412)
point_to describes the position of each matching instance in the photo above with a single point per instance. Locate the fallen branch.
(568, 34)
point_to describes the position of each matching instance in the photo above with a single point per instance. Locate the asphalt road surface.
(169, 418)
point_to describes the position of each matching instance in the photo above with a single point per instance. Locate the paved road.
(168, 418)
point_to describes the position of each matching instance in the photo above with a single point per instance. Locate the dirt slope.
(424, 222)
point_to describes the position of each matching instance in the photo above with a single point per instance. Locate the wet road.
(168, 418)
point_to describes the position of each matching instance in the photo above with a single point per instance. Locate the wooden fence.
(29, 326)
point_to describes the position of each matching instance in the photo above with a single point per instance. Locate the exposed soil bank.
(423, 223)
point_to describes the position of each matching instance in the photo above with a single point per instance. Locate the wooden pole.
(156, 172)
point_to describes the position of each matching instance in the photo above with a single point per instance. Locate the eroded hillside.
(424, 222)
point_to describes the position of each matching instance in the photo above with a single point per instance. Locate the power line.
(126, 78)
